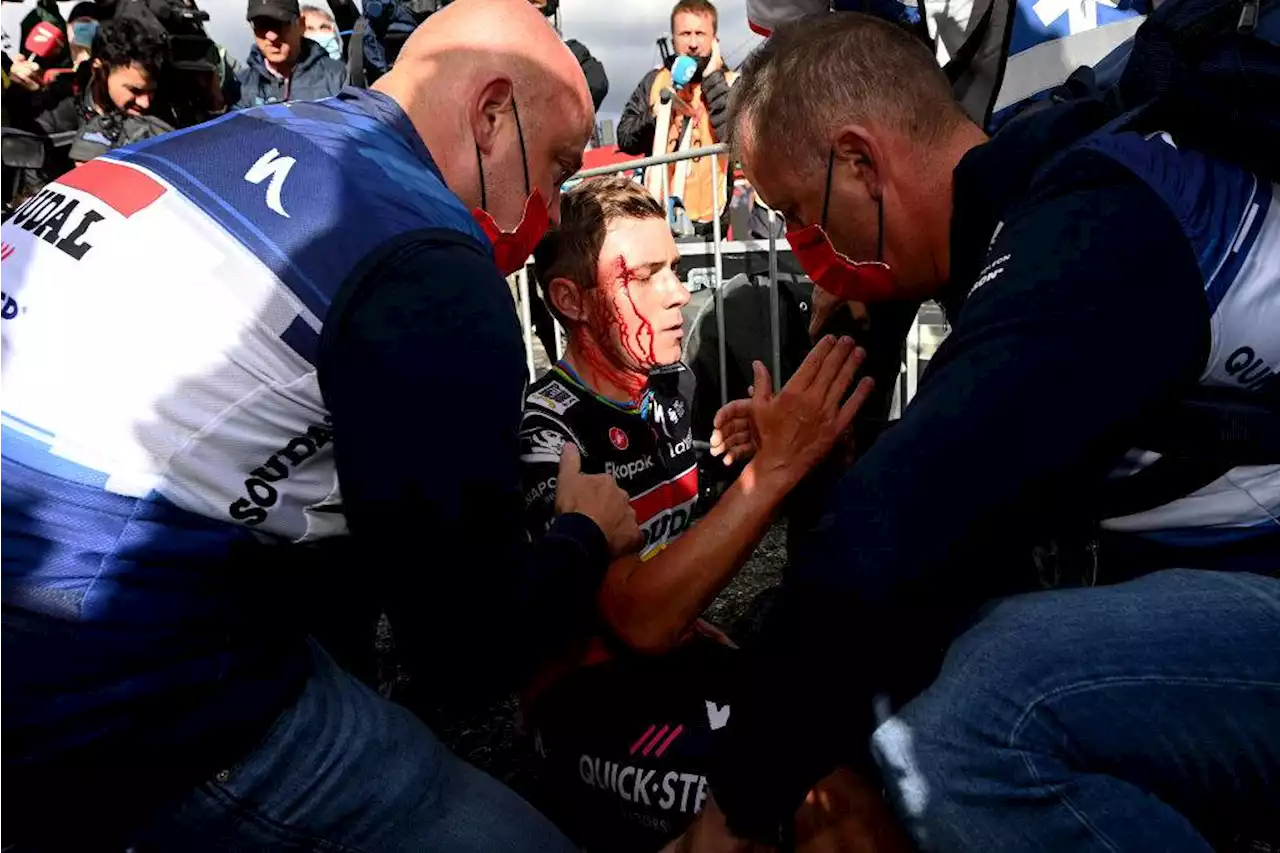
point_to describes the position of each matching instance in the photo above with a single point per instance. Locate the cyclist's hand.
(798, 427)
(733, 434)
(598, 497)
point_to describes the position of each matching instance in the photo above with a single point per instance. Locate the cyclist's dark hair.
(125, 41)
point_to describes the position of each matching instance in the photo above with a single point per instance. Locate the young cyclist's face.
(634, 309)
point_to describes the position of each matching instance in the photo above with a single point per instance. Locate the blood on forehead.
(605, 305)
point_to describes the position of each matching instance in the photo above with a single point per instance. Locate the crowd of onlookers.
(114, 73)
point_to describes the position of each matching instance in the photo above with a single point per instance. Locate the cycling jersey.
(648, 448)
(604, 787)
(189, 327)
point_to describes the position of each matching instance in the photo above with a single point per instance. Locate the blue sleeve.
(1089, 311)
(422, 368)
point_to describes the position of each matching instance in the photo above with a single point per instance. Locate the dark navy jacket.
(322, 359)
(316, 75)
(1088, 290)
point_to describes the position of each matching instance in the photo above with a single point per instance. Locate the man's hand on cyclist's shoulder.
(598, 497)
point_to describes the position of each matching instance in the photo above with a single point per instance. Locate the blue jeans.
(1121, 718)
(344, 769)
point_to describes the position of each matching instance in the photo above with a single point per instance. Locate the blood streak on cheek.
(606, 313)
(625, 277)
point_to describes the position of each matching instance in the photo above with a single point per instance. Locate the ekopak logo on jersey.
(261, 493)
(622, 471)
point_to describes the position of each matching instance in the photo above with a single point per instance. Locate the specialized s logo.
(272, 165)
(668, 415)
(618, 438)
(260, 493)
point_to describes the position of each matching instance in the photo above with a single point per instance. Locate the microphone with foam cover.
(45, 41)
(683, 70)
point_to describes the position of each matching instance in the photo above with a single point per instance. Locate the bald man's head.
(478, 75)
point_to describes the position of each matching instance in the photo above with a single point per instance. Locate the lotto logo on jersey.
(682, 446)
(618, 438)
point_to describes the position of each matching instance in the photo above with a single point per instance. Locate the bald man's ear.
(492, 106)
(566, 298)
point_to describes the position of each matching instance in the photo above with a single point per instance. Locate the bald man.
(322, 342)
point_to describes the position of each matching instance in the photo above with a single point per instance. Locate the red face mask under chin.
(512, 248)
(851, 281)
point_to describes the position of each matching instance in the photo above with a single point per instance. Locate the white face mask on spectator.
(328, 40)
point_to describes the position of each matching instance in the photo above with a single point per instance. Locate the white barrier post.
(715, 234)
(775, 334)
(522, 282)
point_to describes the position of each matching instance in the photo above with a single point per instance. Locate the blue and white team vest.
(1049, 39)
(162, 313)
(1021, 48)
(1231, 219)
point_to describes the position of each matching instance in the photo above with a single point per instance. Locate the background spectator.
(121, 77)
(284, 66)
(321, 28)
(705, 100)
(114, 130)
(82, 28)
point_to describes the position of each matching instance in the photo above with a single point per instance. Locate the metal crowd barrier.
(920, 338)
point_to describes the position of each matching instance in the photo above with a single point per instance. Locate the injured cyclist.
(624, 720)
